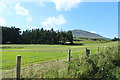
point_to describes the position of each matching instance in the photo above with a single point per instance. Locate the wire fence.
(26, 67)
(10, 73)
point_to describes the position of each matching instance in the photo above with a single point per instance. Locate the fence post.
(69, 55)
(98, 49)
(69, 58)
(87, 52)
(18, 66)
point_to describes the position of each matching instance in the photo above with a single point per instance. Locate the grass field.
(33, 54)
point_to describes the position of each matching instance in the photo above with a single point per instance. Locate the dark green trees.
(65, 37)
(115, 39)
(70, 36)
(35, 36)
(10, 35)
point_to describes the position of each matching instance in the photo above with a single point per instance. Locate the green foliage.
(35, 36)
(115, 39)
(98, 65)
(10, 35)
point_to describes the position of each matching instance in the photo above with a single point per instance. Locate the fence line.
(25, 64)
(22, 59)
(18, 64)
(8, 61)
(36, 61)
(12, 60)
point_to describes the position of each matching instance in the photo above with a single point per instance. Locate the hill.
(81, 33)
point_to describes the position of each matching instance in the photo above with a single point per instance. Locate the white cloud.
(29, 19)
(54, 21)
(21, 10)
(92, 31)
(3, 22)
(65, 4)
(30, 27)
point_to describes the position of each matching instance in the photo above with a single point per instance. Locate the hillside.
(82, 33)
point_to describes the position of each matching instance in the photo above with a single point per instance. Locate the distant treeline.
(14, 35)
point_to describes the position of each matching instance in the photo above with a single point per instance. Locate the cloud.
(65, 4)
(3, 22)
(21, 10)
(51, 22)
(30, 27)
(92, 31)
(29, 19)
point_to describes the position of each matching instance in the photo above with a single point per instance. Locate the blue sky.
(96, 17)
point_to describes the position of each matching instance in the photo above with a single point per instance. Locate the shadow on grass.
(74, 44)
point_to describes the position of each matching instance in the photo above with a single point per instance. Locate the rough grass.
(97, 66)
(32, 54)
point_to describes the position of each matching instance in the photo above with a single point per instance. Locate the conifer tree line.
(14, 35)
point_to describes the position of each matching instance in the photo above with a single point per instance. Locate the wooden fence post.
(98, 49)
(87, 52)
(69, 58)
(18, 67)
(69, 55)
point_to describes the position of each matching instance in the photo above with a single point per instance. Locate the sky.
(95, 17)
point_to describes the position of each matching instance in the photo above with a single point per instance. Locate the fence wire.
(27, 65)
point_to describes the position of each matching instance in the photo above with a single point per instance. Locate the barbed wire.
(7, 72)
(38, 56)
(12, 60)
(38, 61)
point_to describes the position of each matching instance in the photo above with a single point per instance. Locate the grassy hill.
(81, 33)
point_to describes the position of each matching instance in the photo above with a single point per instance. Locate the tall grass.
(103, 65)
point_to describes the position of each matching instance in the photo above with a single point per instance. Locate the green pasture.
(33, 54)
